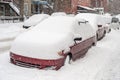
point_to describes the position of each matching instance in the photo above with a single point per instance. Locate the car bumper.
(36, 63)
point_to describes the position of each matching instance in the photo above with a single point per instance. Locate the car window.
(115, 20)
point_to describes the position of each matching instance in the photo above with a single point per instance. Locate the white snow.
(59, 14)
(35, 19)
(100, 63)
(8, 32)
(118, 16)
(46, 39)
(50, 37)
(95, 19)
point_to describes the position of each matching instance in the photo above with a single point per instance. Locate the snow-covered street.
(8, 32)
(100, 63)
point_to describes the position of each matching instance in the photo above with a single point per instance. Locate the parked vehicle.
(59, 14)
(115, 23)
(34, 20)
(50, 42)
(96, 21)
(107, 23)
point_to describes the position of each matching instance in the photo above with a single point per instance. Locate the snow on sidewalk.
(8, 32)
(111, 71)
(96, 65)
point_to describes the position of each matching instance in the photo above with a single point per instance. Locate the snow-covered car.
(107, 22)
(50, 42)
(34, 20)
(58, 14)
(96, 21)
(115, 23)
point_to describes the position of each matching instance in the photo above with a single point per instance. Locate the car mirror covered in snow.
(77, 39)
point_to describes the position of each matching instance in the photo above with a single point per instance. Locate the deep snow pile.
(100, 63)
(8, 31)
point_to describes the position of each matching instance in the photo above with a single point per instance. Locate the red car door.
(79, 49)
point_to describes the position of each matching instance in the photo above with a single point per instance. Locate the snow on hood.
(46, 39)
(41, 45)
(35, 19)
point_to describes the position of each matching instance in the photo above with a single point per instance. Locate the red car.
(50, 42)
(98, 22)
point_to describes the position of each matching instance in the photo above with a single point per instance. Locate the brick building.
(100, 4)
(71, 6)
(29, 7)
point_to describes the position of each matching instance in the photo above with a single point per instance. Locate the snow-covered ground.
(8, 32)
(100, 63)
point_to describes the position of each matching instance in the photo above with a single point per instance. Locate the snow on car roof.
(56, 24)
(94, 19)
(89, 17)
(59, 14)
(35, 19)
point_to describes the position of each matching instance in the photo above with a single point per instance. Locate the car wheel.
(109, 31)
(68, 59)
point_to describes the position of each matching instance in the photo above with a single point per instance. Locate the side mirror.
(86, 22)
(99, 25)
(82, 22)
(77, 39)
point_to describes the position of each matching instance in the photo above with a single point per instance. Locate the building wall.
(62, 6)
(75, 3)
(85, 3)
(105, 5)
(100, 4)
(6, 0)
(27, 7)
(6, 10)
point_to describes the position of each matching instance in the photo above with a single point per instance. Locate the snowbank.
(100, 63)
(8, 32)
